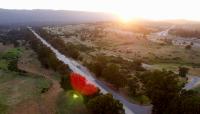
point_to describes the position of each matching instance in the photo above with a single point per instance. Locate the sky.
(126, 9)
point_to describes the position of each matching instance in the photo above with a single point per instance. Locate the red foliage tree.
(80, 84)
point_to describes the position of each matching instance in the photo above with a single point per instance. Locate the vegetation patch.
(8, 59)
(142, 99)
(12, 53)
(4, 64)
(16, 88)
(197, 89)
(68, 103)
(43, 85)
(3, 106)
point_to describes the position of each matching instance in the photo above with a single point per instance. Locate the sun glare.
(126, 18)
(125, 11)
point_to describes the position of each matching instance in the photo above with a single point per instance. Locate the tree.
(3, 108)
(187, 103)
(137, 65)
(113, 75)
(98, 65)
(161, 87)
(63, 68)
(133, 86)
(68, 49)
(12, 65)
(49, 60)
(188, 47)
(183, 71)
(65, 82)
(105, 104)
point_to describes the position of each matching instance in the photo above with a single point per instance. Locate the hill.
(50, 17)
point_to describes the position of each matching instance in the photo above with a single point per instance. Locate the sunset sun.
(125, 17)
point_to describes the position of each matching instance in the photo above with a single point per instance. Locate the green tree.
(161, 87)
(183, 71)
(105, 104)
(137, 65)
(113, 75)
(98, 65)
(65, 82)
(3, 108)
(12, 65)
(187, 103)
(133, 86)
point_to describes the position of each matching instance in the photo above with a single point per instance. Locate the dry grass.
(4, 48)
(133, 46)
(28, 62)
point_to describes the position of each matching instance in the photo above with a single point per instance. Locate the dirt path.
(46, 104)
(50, 97)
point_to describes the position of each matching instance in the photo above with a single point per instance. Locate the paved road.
(159, 36)
(165, 32)
(193, 81)
(176, 40)
(130, 108)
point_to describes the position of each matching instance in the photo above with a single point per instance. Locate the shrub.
(133, 86)
(105, 104)
(65, 82)
(113, 75)
(3, 108)
(137, 65)
(188, 47)
(183, 71)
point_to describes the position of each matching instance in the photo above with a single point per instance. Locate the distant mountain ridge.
(37, 17)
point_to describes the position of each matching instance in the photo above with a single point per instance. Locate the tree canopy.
(105, 104)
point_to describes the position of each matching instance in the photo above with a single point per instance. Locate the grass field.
(174, 67)
(129, 47)
(12, 53)
(4, 64)
(16, 88)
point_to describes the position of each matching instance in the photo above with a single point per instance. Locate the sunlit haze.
(126, 9)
